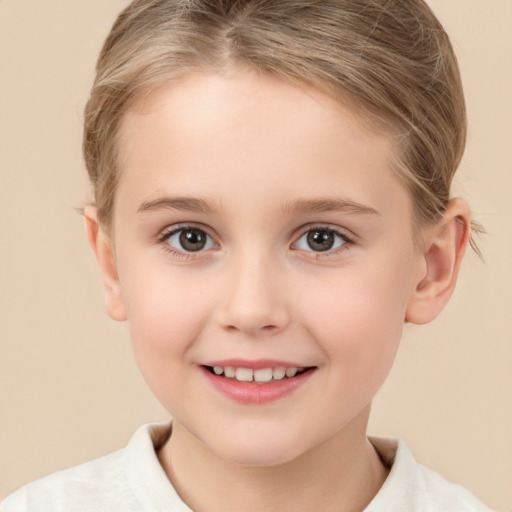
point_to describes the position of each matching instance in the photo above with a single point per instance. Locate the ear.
(102, 247)
(442, 255)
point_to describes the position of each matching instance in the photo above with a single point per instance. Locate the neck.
(342, 474)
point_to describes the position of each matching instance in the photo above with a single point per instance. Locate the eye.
(189, 239)
(321, 240)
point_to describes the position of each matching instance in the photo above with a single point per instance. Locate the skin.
(271, 162)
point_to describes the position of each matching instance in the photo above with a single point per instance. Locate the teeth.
(259, 375)
(229, 371)
(290, 372)
(263, 375)
(244, 374)
(279, 373)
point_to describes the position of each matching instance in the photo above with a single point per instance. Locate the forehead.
(245, 131)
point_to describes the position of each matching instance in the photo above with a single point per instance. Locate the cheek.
(165, 315)
(357, 320)
(361, 331)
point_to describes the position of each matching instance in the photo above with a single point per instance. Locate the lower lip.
(254, 392)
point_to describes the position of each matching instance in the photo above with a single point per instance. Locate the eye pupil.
(321, 239)
(193, 240)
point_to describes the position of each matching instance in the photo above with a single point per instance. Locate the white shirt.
(132, 480)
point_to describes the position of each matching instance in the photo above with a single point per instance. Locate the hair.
(389, 59)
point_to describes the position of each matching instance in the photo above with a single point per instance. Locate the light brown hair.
(389, 58)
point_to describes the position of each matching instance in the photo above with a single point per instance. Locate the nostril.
(265, 328)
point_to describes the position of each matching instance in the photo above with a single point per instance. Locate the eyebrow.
(189, 204)
(328, 205)
(303, 206)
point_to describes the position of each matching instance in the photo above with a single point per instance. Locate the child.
(272, 203)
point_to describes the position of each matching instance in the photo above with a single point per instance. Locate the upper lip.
(255, 364)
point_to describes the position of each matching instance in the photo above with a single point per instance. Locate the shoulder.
(95, 485)
(80, 487)
(105, 484)
(445, 495)
(412, 487)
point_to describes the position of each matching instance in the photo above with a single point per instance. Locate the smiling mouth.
(260, 375)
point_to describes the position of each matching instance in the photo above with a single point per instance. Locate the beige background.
(69, 388)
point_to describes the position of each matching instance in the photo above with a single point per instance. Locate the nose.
(255, 300)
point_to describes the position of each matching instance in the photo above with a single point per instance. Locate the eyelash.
(347, 241)
(171, 231)
(168, 232)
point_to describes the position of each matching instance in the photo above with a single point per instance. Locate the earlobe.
(442, 255)
(102, 247)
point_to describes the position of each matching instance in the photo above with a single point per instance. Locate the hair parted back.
(389, 58)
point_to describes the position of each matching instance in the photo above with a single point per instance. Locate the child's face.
(258, 225)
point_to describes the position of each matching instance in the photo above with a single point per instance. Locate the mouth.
(256, 382)
(257, 375)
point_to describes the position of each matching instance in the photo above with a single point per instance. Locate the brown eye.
(321, 240)
(190, 240)
(193, 240)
